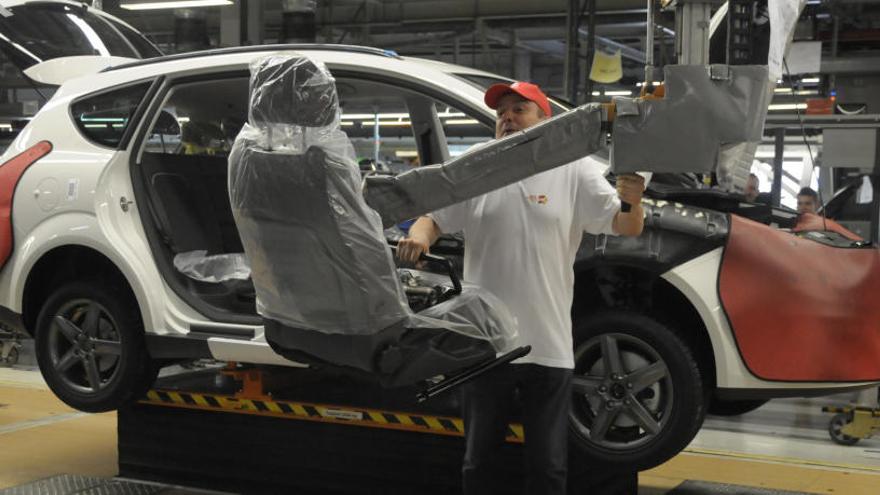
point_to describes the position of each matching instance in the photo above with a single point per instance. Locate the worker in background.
(521, 245)
(809, 220)
(807, 201)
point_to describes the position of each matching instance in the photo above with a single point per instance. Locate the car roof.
(441, 76)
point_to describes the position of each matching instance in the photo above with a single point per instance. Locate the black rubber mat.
(706, 488)
(71, 484)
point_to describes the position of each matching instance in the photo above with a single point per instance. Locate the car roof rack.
(258, 48)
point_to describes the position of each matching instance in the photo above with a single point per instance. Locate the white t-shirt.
(521, 241)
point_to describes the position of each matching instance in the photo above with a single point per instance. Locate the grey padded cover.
(705, 107)
(552, 143)
(318, 254)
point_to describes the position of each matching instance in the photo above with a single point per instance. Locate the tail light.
(10, 173)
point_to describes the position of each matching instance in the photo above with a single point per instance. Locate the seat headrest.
(290, 89)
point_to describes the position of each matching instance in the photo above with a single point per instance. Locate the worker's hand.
(630, 188)
(410, 249)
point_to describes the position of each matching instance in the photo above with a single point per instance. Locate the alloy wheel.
(623, 392)
(84, 346)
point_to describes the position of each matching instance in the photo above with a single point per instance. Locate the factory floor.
(782, 446)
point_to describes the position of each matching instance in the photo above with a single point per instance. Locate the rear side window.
(103, 118)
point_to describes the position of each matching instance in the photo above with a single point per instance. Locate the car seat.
(326, 283)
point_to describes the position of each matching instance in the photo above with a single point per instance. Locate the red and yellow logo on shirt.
(540, 199)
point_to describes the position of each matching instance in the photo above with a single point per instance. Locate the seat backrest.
(318, 254)
(190, 202)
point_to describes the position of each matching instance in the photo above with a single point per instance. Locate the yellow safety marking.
(517, 431)
(781, 459)
(434, 423)
(443, 425)
(377, 417)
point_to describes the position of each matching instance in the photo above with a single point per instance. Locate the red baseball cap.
(528, 91)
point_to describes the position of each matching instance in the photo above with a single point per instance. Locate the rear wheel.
(638, 396)
(90, 347)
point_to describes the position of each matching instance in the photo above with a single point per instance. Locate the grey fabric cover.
(318, 255)
(704, 108)
(552, 143)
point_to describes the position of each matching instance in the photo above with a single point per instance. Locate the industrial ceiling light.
(170, 4)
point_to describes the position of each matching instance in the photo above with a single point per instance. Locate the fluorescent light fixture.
(346, 123)
(371, 116)
(810, 80)
(182, 120)
(392, 123)
(653, 83)
(462, 121)
(173, 4)
(6, 127)
(596, 93)
(448, 114)
(782, 90)
(102, 119)
(787, 106)
(406, 153)
(618, 93)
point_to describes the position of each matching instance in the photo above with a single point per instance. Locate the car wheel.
(90, 347)
(638, 396)
(720, 407)
(835, 429)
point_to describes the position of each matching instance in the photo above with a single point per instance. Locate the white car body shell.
(74, 198)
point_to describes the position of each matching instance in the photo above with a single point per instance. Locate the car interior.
(183, 171)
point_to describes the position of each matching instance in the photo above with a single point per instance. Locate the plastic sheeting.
(318, 254)
(215, 268)
(704, 108)
(552, 143)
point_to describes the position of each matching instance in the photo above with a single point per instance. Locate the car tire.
(90, 347)
(647, 405)
(719, 407)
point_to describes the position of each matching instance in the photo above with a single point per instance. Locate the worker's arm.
(630, 188)
(422, 234)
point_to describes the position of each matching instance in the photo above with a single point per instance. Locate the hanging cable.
(807, 143)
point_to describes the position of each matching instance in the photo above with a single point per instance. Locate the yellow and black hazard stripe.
(326, 413)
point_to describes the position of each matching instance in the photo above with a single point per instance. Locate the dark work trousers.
(487, 402)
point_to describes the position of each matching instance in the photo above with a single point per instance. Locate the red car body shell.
(801, 310)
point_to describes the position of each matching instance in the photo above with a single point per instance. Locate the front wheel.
(90, 347)
(638, 395)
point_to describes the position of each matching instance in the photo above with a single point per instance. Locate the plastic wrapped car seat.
(326, 283)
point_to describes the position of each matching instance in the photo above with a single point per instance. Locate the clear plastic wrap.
(197, 265)
(475, 313)
(318, 254)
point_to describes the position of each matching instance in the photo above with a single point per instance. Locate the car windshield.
(38, 32)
